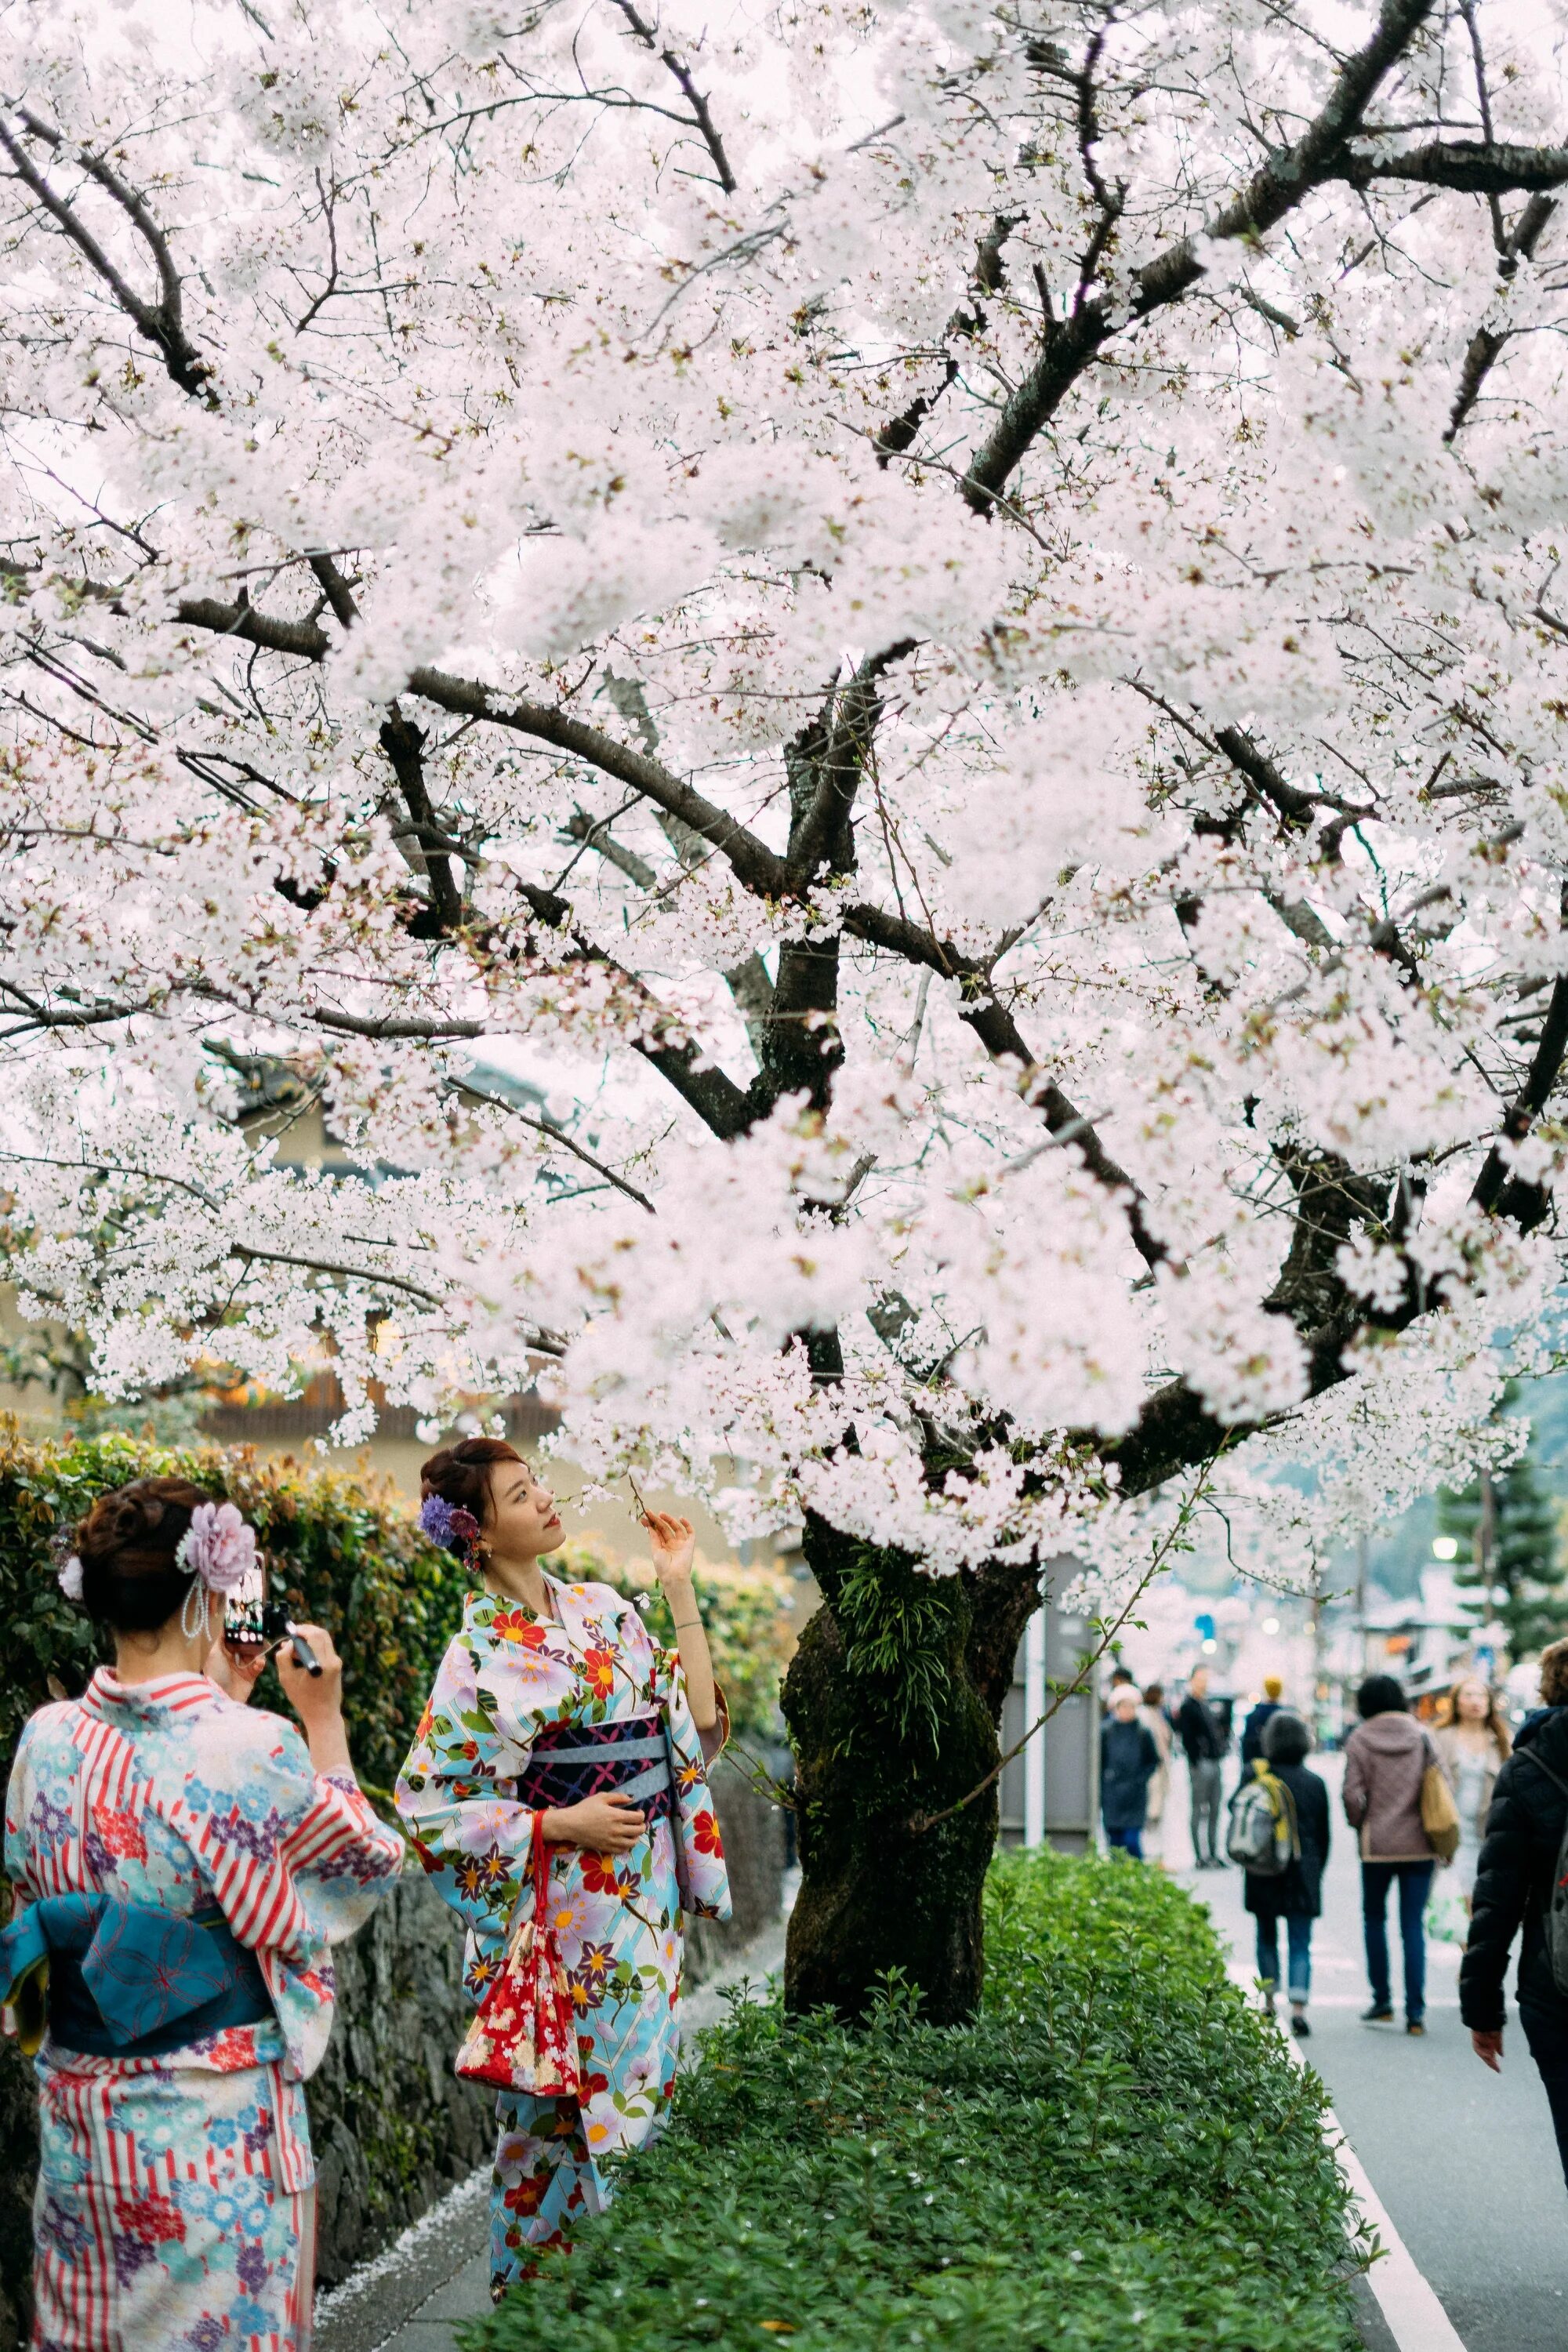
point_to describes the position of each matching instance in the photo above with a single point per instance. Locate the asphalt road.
(1463, 2160)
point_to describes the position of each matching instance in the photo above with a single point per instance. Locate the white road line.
(1416, 2320)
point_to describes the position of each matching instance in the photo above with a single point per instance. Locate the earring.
(193, 1625)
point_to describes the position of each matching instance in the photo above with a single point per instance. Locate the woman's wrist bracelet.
(681, 1623)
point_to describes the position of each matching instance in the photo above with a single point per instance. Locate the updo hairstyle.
(126, 1544)
(461, 1474)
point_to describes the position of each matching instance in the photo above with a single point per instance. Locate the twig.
(921, 1822)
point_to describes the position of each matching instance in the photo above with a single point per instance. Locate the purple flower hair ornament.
(449, 1524)
(219, 1546)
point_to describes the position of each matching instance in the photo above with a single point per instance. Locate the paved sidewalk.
(414, 2297)
(1463, 2160)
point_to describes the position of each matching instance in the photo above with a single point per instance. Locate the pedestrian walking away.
(1473, 1742)
(1257, 1722)
(1128, 1760)
(561, 1741)
(1387, 1758)
(1294, 1895)
(1157, 1723)
(182, 1863)
(1520, 1864)
(1204, 1742)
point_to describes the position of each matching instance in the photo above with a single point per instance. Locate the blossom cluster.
(886, 770)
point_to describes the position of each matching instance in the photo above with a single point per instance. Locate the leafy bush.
(746, 1612)
(1117, 2152)
(346, 1550)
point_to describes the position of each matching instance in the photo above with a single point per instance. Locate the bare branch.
(700, 114)
(557, 1135)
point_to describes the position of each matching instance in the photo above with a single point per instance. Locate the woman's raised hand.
(235, 1671)
(674, 1547)
(607, 1824)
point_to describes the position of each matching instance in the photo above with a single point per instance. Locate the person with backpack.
(1397, 1796)
(1519, 1884)
(1280, 1834)
(1129, 1761)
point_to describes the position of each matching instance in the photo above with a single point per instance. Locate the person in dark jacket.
(1129, 1761)
(1296, 1895)
(1202, 1732)
(1258, 1721)
(1514, 1881)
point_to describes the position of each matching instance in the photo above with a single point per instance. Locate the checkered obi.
(572, 1760)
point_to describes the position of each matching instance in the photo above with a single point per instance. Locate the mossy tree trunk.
(893, 1702)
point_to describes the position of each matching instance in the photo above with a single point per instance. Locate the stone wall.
(394, 2128)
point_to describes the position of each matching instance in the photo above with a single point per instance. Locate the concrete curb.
(1412, 2319)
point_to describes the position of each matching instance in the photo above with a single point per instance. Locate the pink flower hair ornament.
(219, 1545)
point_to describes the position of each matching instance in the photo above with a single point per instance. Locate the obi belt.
(572, 1760)
(119, 1980)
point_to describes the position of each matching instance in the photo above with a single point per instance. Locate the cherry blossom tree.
(944, 619)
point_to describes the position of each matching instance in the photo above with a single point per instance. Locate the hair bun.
(149, 1516)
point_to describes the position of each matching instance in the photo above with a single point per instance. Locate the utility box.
(1050, 1793)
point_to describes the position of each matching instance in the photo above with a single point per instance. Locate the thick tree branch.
(844, 748)
(1469, 165)
(1519, 1201)
(754, 863)
(161, 322)
(1486, 342)
(403, 744)
(1272, 193)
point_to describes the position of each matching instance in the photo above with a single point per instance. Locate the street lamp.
(1445, 1546)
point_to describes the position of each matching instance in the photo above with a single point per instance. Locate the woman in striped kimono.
(181, 1864)
(553, 1701)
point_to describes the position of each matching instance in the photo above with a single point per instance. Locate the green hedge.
(1118, 2152)
(349, 1552)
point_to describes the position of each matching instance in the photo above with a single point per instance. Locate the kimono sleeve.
(474, 1842)
(295, 1857)
(699, 1846)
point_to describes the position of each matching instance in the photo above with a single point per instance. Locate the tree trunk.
(893, 1701)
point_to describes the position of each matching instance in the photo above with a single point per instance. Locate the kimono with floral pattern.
(173, 2210)
(505, 1678)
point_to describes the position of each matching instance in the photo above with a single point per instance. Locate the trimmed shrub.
(345, 1548)
(1117, 2151)
(746, 1612)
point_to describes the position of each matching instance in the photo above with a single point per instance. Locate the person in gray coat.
(1387, 1756)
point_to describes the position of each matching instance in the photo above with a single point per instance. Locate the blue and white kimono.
(527, 1713)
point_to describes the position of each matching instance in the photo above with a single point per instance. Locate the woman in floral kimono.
(552, 1699)
(181, 1864)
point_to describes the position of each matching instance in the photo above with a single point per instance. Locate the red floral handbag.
(524, 2033)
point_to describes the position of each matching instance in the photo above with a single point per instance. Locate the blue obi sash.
(119, 1980)
(571, 1760)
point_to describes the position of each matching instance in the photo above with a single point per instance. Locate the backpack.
(1263, 1836)
(1556, 1921)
